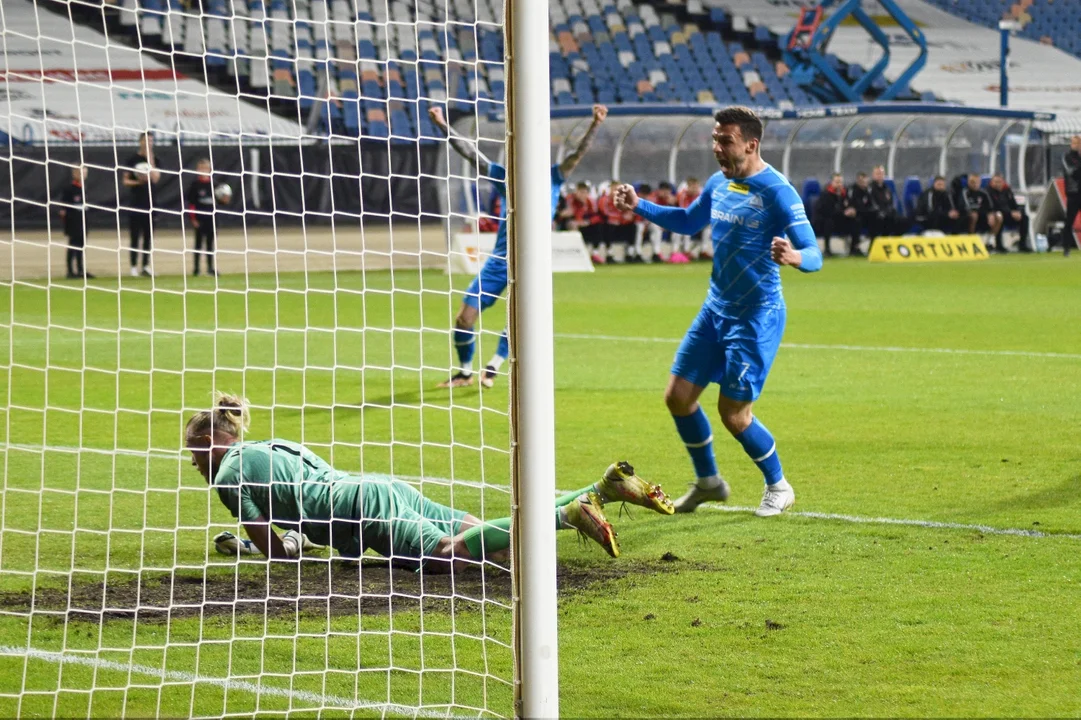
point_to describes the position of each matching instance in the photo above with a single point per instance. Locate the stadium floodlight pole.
(532, 376)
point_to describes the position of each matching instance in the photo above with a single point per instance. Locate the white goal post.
(322, 296)
(533, 379)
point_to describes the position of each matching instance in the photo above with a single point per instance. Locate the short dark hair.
(665, 185)
(750, 125)
(837, 174)
(582, 185)
(937, 178)
(861, 175)
(645, 189)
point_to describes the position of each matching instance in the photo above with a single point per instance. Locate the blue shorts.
(734, 352)
(488, 285)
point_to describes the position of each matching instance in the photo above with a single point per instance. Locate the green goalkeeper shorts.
(399, 523)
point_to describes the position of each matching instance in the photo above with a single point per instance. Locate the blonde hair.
(230, 415)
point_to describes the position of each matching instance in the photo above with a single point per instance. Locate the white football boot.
(775, 502)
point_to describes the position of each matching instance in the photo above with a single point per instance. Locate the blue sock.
(503, 349)
(758, 443)
(465, 343)
(697, 435)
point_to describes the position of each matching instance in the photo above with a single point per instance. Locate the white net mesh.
(331, 314)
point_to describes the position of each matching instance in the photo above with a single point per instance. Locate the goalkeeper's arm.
(295, 544)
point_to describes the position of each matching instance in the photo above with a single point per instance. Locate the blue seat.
(896, 198)
(811, 190)
(911, 194)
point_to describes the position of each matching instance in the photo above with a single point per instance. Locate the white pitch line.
(323, 701)
(836, 517)
(930, 524)
(847, 348)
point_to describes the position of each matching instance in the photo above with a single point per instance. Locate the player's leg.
(198, 250)
(491, 540)
(1023, 243)
(465, 338)
(210, 240)
(135, 227)
(502, 350)
(620, 484)
(78, 245)
(696, 364)
(148, 233)
(481, 294)
(751, 345)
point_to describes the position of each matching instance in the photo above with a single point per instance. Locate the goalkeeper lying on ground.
(277, 482)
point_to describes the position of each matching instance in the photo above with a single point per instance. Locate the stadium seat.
(911, 194)
(613, 52)
(811, 190)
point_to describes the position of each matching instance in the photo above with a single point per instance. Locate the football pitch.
(927, 416)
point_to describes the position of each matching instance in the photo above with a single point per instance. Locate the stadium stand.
(372, 73)
(1055, 23)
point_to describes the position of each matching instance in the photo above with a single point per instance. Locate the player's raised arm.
(600, 112)
(462, 146)
(685, 221)
(799, 246)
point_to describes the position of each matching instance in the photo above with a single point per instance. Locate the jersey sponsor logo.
(724, 216)
(738, 188)
(756, 202)
(913, 248)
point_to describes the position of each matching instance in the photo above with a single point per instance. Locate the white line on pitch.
(323, 701)
(930, 524)
(836, 517)
(849, 348)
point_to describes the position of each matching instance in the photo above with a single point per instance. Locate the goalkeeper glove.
(226, 543)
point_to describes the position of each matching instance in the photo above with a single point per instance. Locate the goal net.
(324, 295)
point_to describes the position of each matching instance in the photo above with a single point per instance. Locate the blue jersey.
(498, 174)
(745, 215)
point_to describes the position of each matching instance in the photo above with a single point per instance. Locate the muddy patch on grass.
(313, 589)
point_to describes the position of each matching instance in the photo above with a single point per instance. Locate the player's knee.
(735, 418)
(677, 403)
(466, 318)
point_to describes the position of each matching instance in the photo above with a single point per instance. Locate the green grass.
(791, 616)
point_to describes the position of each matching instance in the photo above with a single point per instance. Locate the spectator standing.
(665, 196)
(833, 213)
(1071, 173)
(73, 215)
(1004, 204)
(580, 213)
(619, 226)
(140, 174)
(976, 204)
(201, 206)
(935, 209)
(683, 245)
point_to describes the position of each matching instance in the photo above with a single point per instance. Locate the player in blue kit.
(490, 283)
(758, 223)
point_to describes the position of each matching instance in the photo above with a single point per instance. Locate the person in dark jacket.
(1009, 212)
(833, 214)
(975, 203)
(935, 209)
(885, 220)
(1071, 173)
(73, 215)
(859, 198)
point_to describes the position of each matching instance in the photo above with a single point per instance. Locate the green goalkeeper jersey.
(295, 489)
(292, 487)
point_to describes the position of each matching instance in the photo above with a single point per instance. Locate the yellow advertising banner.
(915, 248)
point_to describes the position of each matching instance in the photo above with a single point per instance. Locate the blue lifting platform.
(806, 47)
